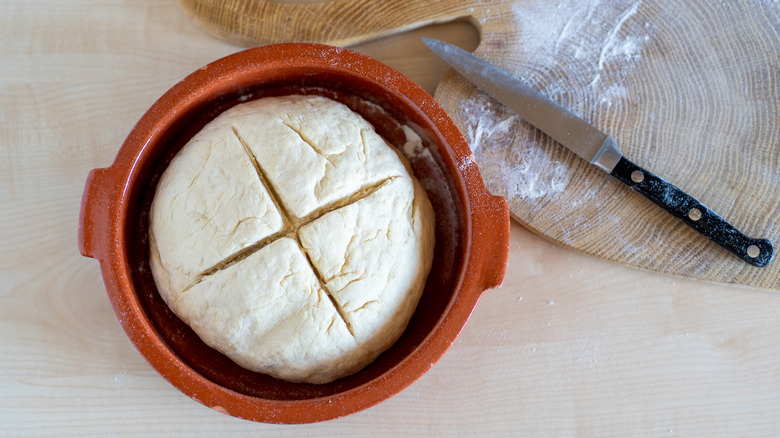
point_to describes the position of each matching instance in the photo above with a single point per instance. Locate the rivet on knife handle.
(757, 252)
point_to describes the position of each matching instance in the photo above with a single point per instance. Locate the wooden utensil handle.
(757, 252)
(336, 22)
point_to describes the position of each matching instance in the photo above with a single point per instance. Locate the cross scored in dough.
(292, 226)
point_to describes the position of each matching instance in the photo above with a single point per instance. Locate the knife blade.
(599, 149)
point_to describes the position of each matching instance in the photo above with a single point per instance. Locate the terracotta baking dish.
(472, 229)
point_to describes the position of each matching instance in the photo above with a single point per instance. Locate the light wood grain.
(571, 345)
(688, 88)
(338, 22)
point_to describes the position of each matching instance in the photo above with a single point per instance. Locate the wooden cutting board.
(690, 90)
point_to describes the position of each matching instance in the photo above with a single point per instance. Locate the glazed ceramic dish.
(472, 228)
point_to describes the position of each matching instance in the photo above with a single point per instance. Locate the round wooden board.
(690, 90)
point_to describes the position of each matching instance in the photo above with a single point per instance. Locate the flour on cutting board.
(576, 52)
(579, 40)
(524, 171)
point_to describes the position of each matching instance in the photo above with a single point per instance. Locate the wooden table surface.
(569, 346)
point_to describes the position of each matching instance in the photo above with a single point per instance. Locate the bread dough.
(292, 238)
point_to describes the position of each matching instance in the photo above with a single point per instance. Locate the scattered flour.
(614, 48)
(527, 172)
(576, 52)
(488, 128)
(576, 41)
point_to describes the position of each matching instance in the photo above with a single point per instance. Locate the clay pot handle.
(492, 232)
(94, 216)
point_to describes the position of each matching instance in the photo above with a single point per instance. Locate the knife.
(600, 150)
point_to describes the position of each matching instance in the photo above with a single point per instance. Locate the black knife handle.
(757, 252)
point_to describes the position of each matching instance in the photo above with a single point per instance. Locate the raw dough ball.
(292, 238)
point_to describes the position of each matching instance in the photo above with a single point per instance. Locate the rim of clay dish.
(105, 211)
